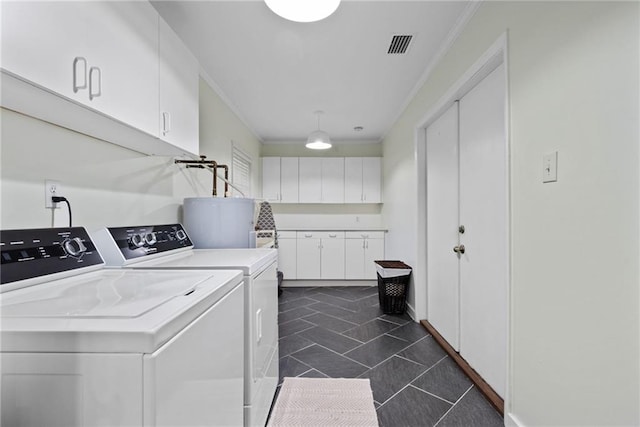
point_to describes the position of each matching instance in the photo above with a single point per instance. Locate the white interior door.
(442, 225)
(483, 212)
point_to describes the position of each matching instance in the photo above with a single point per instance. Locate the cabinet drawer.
(287, 234)
(320, 234)
(330, 235)
(364, 234)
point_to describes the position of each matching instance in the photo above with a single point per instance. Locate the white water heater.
(219, 222)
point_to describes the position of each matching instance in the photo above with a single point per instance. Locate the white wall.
(220, 128)
(573, 81)
(107, 185)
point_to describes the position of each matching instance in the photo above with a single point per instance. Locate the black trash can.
(393, 284)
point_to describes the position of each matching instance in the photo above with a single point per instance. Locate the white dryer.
(145, 247)
(88, 346)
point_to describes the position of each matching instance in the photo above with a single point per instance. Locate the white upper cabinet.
(353, 180)
(372, 179)
(47, 44)
(322, 179)
(271, 179)
(310, 180)
(94, 67)
(122, 62)
(363, 180)
(179, 81)
(332, 180)
(289, 180)
(280, 179)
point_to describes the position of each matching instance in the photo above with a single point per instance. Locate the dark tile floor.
(340, 332)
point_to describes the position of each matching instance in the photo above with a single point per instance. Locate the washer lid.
(109, 310)
(249, 261)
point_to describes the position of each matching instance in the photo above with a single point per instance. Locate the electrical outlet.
(51, 188)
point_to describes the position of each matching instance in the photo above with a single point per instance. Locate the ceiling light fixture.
(318, 140)
(303, 10)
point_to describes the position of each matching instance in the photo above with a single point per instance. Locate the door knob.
(458, 249)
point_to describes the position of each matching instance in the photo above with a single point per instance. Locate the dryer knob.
(137, 240)
(74, 247)
(150, 238)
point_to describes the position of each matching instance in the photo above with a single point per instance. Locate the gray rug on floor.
(324, 402)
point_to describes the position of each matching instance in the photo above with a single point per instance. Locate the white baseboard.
(511, 420)
(321, 283)
(412, 312)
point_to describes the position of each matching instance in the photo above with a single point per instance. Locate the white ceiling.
(275, 73)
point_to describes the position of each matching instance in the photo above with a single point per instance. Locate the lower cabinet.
(287, 250)
(329, 255)
(320, 255)
(361, 250)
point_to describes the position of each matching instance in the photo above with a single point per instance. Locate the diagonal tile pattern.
(340, 332)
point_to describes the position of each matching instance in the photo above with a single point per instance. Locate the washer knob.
(181, 235)
(74, 247)
(150, 238)
(137, 240)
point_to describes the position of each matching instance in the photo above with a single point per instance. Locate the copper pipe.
(226, 178)
(208, 163)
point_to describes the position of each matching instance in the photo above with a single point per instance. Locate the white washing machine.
(145, 247)
(87, 346)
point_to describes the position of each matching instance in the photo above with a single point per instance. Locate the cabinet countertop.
(332, 229)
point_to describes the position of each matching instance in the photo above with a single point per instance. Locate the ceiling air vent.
(399, 44)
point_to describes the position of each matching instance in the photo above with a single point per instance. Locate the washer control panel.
(140, 241)
(33, 253)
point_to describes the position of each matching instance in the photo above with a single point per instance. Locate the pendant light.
(303, 10)
(319, 140)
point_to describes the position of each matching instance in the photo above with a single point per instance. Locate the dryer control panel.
(31, 253)
(140, 241)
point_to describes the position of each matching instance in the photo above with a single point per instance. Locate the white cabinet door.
(372, 180)
(287, 255)
(289, 180)
(363, 180)
(333, 180)
(353, 180)
(373, 251)
(310, 180)
(271, 179)
(43, 40)
(354, 259)
(362, 249)
(123, 62)
(332, 257)
(179, 81)
(308, 256)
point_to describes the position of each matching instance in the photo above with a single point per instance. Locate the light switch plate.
(550, 167)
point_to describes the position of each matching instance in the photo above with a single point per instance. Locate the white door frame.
(490, 59)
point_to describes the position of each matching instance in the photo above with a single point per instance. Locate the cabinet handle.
(367, 244)
(77, 61)
(365, 236)
(333, 235)
(166, 122)
(96, 71)
(363, 244)
(308, 235)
